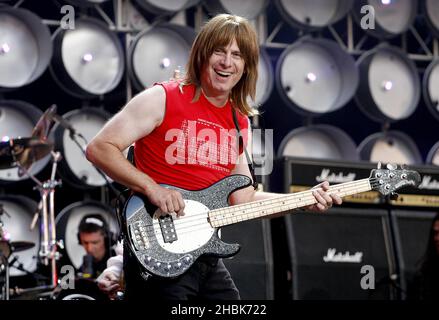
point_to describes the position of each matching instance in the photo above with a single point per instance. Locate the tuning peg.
(379, 165)
(391, 166)
(393, 196)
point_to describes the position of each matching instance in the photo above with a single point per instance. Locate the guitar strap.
(241, 146)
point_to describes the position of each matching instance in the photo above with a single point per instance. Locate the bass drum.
(74, 167)
(67, 222)
(84, 289)
(16, 228)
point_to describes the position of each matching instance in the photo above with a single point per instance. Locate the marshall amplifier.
(342, 254)
(299, 174)
(411, 229)
(252, 268)
(426, 195)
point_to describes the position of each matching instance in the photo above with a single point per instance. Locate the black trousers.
(207, 279)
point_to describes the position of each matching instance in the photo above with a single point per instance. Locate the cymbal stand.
(4, 294)
(48, 249)
(4, 266)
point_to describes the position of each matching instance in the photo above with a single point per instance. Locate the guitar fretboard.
(257, 209)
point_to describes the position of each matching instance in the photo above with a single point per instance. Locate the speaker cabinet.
(252, 267)
(411, 229)
(329, 250)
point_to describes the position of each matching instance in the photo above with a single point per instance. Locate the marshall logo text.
(331, 177)
(333, 256)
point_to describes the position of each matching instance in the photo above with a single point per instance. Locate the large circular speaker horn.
(74, 167)
(433, 155)
(17, 119)
(157, 52)
(315, 14)
(67, 222)
(165, 7)
(16, 225)
(431, 12)
(390, 147)
(320, 142)
(430, 87)
(244, 8)
(88, 60)
(389, 87)
(264, 84)
(25, 47)
(315, 76)
(391, 17)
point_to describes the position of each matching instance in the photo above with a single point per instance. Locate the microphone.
(87, 266)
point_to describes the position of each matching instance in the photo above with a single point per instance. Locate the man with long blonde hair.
(173, 126)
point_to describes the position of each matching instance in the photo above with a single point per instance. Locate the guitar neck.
(257, 209)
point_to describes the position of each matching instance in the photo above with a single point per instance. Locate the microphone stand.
(73, 135)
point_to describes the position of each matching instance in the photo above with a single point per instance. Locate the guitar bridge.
(168, 229)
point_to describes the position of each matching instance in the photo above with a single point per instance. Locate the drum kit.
(22, 153)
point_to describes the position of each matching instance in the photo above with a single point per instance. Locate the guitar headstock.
(392, 178)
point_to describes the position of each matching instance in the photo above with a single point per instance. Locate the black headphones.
(96, 222)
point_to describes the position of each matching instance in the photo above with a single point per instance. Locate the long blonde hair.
(220, 32)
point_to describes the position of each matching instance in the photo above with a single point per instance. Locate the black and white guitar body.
(167, 246)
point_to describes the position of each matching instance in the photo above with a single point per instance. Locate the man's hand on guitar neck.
(324, 200)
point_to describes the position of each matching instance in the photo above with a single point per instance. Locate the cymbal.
(44, 124)
(5, 249)
(18, 246)
(23, 151)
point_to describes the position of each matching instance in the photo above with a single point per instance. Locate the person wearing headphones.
(97, 239)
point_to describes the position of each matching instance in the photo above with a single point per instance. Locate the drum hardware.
(44, 124)
(18, 246)
(48, 249)
(30, 293)
(5, 252)
(23, 153)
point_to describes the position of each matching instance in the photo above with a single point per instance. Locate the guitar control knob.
(381, 181)
(391, 175)
(404, 176)
(378, 175)
(178, 265)
(158, 264)
(387, 187)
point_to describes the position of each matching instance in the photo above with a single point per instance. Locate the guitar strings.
(187, 223)
(305, 195)
(185, 226)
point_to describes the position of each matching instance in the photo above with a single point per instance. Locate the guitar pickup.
(139, 236)
(168, 229)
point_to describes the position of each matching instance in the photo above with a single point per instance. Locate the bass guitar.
(167, 245)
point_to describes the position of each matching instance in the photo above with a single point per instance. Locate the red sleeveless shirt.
(195, 145)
